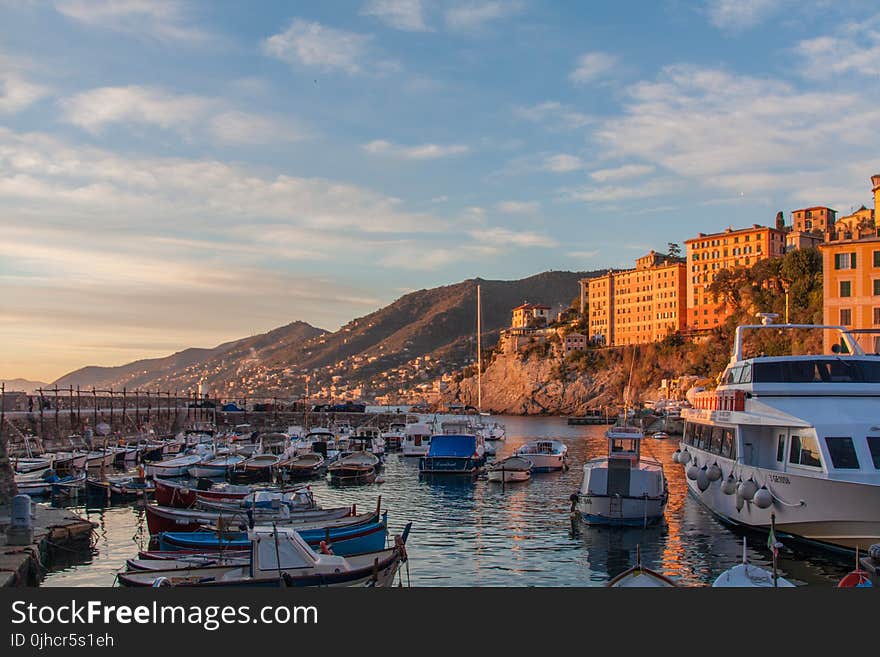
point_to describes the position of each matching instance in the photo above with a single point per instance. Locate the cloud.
(740, 134)
(592, 66)
(504, 236)
(853, 48)
(164, 20)
(622, 172)
(16, 93)
(583, 255)
(310, 44)
(553, 116)
(472, 16)
(741, 14)
(518, 207)
(96, 109)
(562, 163)
(419, 152)
(406, 15)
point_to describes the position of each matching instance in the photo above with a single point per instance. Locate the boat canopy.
(459, 446)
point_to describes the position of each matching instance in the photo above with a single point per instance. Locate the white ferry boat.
(795, 438)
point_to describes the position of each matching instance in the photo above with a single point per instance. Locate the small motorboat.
(344, 540)
(857, 579)
(69, 461)
(303, 466)
(100, 458)
(25, 465)
(544, 455)
(513, 468)
(356, 468)
(660, 435)
(622, 488)
(640, 577)
(216, 467)
(453, 454)
(254, 469)
(166, 519)
(121, 488)
(282, 558)
(745, 575)
(183, 495)
(416, 439)
(48, 483)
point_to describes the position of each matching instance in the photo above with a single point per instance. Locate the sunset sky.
(179, 174)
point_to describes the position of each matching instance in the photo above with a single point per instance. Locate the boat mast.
(479, 355)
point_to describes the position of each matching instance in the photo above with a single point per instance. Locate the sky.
(179, 174)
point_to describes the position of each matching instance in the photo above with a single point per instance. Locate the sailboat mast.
(479, 354)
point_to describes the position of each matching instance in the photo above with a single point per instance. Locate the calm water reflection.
(476, 533)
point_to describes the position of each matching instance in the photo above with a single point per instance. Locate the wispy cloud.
(741, 14)
(553, 116)
(505, 236)
(163, 20)
(406, 15)
(837, 54)
(96, 109)
(592, 66)
(518, 207)
(417, 152)
(622, 173)
(311, 44)
(562, 163)
(472, 16)
(17, 93)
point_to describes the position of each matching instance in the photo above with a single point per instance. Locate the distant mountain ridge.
(23, 385)
(416, 338)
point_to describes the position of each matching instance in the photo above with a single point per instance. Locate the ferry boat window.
(874, 446)
(804, 451)
(687, 437)
(717, 439)
(842, 453)
(780, 448)
(836, 370)
(746, 374)
(699, 433)
(728, 446)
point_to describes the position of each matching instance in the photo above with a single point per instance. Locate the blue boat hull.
(448, 465)
(367, 538)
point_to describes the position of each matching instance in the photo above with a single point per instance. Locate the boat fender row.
(746, 491)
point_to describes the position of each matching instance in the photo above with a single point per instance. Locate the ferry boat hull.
(805, 507)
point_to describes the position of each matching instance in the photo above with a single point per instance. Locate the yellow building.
(709, 254)
(530, 315)
(638, 305)
(851, 279)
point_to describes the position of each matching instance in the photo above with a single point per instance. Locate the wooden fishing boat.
(344, 540)
(127, 487)
(356, 468)
(69, 461)
(183, 495)
(25, 465)
(49, 483)
(164, 519)
(100, 458)
(513, 468)
(188, 561)
(173, 467)
(640, 577)
(216, 467)
(303, 466)
(254, 469)
(282, 558)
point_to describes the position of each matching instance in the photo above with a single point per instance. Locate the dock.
(54, 530)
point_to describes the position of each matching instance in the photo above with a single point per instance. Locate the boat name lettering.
(779, 479)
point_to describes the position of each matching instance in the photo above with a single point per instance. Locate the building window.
(876, 316)
(844, 260)
(877, 258)
(842, 453)
(845, 288)
(846, 316)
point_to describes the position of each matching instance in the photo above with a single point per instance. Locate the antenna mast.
(479, 354)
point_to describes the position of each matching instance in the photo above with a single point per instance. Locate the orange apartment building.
(709, 254)
(851, 279)
(638, 305)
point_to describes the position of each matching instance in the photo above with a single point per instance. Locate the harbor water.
(475, 533)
